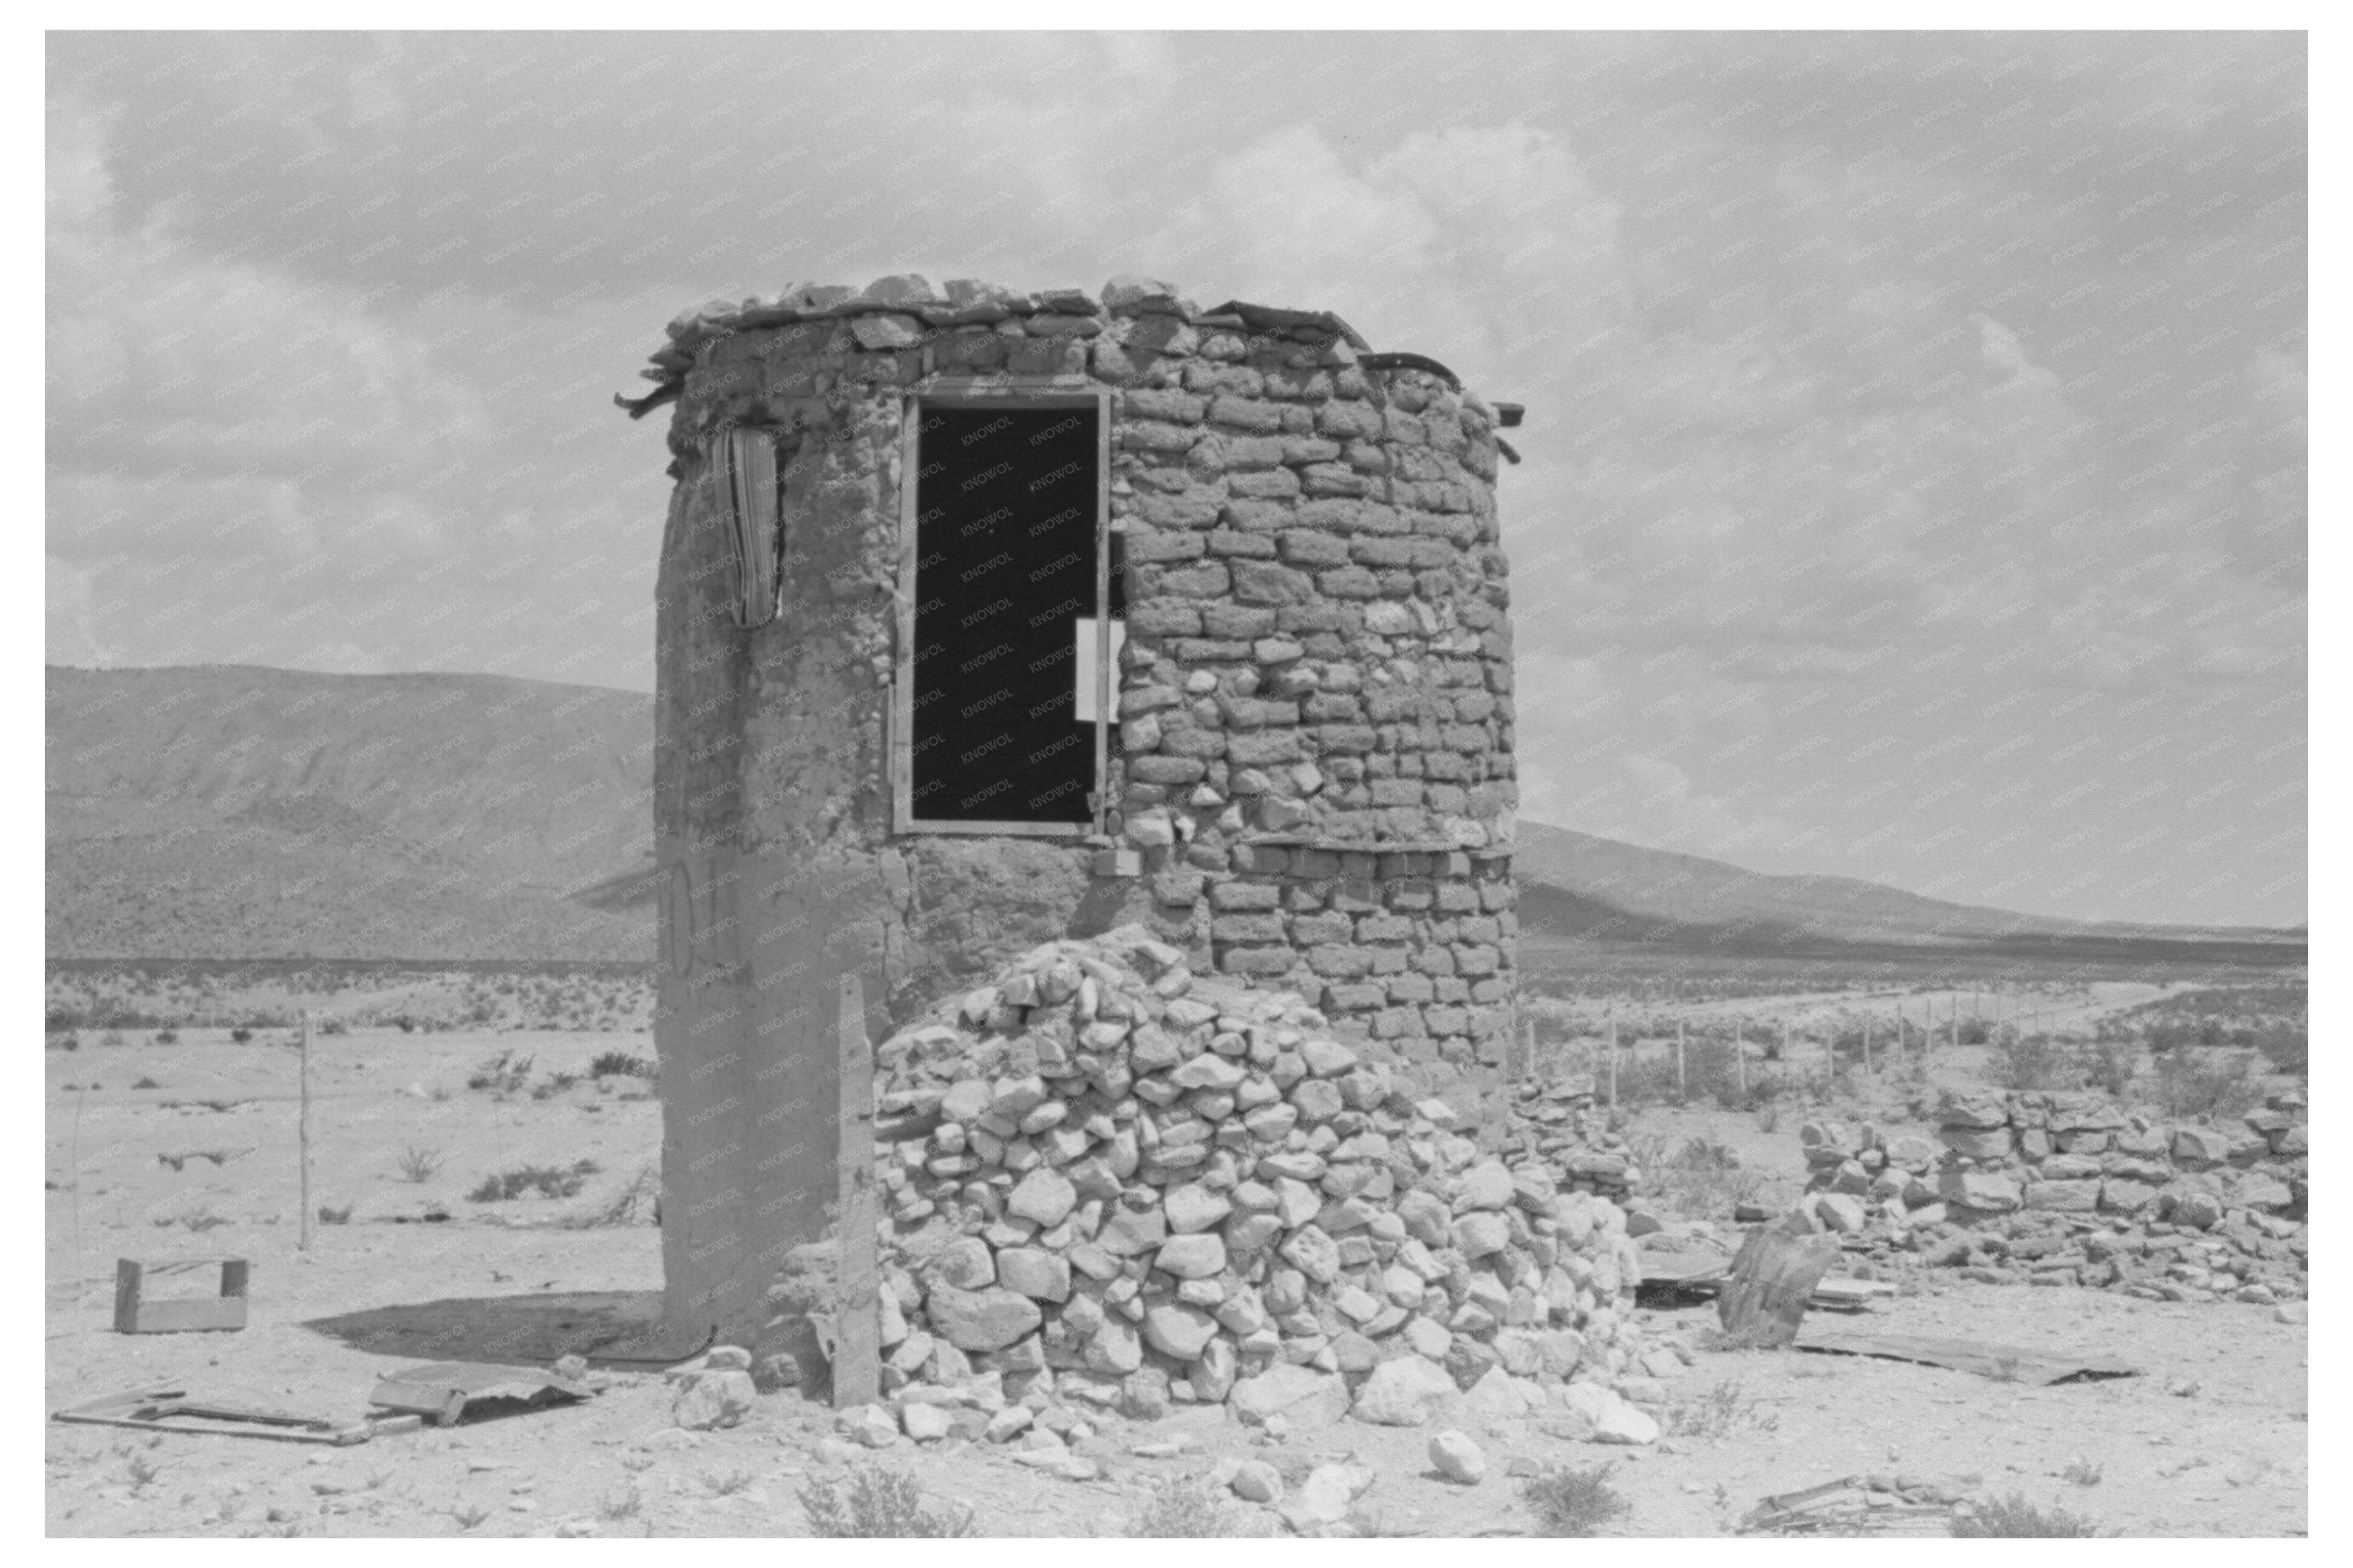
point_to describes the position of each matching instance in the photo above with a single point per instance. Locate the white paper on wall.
(1085, 665)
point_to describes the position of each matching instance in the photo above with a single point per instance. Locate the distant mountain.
(237, 811)
(1577, 885)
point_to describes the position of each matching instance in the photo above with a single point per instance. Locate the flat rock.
(1193, 1207)
(1179, 1330)
(1303, 1395)
(1198, 1257)
(1045, 1196)
(1611, 1417)
(1400, 1393)
(1325, 1496)
(988, 1320)
(1497, 1395)
(1255, 1480)
(1328, 1058)
(1481, 1234)
(1313, 1254)
(1841, 1214)
(1457, 1458)
(711, 1400)
(1485, 1185)
(925, 1423)
(1034, 1272)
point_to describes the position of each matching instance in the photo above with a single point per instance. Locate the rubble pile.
(1109, 1183)
(1557, 1123)
(2070, 1189)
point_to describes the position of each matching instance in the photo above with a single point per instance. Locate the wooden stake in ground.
(1740, 1062)
(857, 1323)
(1866, 1042)
(302, 1131)
(1683, 1091)
(1773, 1278)
(73, 1158)
(1613, 1063)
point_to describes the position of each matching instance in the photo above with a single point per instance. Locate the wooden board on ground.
(1683, 1268)
(2004, 1363)
(135, 1312)
(171, 1410)
(444, 1390)
(1772, 1283)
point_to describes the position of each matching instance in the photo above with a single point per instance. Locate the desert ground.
(429, 1088)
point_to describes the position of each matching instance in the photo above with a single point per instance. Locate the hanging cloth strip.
(743, 466)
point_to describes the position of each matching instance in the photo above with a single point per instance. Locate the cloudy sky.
(1916, 438)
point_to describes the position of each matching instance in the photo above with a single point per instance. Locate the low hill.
(237, 812)
(1577, 885)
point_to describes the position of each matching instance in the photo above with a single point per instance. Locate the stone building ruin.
(988, 619)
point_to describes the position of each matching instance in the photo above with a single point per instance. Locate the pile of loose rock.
(1111, 1186)
(2060, 1189)
(1556, 1122)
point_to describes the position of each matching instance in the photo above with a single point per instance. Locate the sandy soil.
(2211, 1440)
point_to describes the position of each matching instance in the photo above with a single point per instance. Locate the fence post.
(1613, 1064)
(302, 1130)
(1682, 1089)
(1740, 1061)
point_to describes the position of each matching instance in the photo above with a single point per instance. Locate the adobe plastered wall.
(1313, 757)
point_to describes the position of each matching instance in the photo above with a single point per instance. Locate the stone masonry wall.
(2071, 1189)
(1314, 753)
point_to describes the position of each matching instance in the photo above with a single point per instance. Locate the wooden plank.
(126, 1274)
(902, 664)
(206, 1313)
(2003, 1364)
(1681, 1268)
(1773, 1280)
(857, 1350)
(135, 1313)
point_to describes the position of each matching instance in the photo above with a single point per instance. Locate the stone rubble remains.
(1112, 1186)
(2072, 1189)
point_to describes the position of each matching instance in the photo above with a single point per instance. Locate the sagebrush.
(2014, 1516)
(1184, 1505)
(879, 1504)
(548, 1181)
(1573, 1502)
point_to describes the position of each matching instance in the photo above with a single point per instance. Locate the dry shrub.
(2014, 1516)
(1571, 1502)
(2031, 1061)
(2286, 1047)
(2191, 1082)
(1719, 1413)
(548, 1181)
(1184, 1506)
(1701, 1178)
(2109, 1064)
(881, 1504)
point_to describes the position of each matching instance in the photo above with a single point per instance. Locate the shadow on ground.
(619, 1328)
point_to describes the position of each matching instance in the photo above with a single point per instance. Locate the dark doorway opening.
(1007, 519)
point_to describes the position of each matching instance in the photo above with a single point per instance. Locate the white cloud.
(70, 617)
